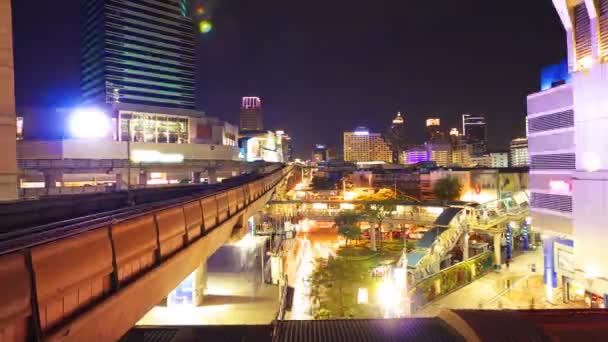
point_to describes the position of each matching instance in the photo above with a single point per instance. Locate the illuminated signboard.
(560, 186)
(142, 156)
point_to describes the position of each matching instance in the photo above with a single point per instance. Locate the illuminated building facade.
(519, 152)
(499, 159)
(396, 137)
(319, 154)
(475, 132)
(251, 114)
(363, 146)
(416, 155)
(567, 127)
(440, 153)
(433, 130)
(137, 53)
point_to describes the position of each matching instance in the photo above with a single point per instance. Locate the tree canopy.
(447, 189)
(348, 225)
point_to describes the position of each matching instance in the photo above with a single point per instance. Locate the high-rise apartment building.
(439, 152)
(475, 132)
(519, 152)
(364, 146)
(461, 150)
(569, 168)
(251, 114)
(137, 52)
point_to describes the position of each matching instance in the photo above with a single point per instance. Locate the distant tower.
(251, 114)
(433, 130)
(396, 138)
(475, 132)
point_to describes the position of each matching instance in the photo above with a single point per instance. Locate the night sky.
(325, 66)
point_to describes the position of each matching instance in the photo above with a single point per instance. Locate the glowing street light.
(362, 296)
(89, 123)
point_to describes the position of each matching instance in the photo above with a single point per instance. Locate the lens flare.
(205, 26)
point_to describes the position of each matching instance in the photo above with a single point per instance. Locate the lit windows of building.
(499, 159)
(153, 128)
(475, 132)
(319, 154)
(519, 152)
(416, 155)
(482, 161)
(433, 130)
(137, 52)
(251, 119)
(440, 153)
(363, 146)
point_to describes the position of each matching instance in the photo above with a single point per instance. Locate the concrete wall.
(104, 149)
(8, 123)
(591, 179)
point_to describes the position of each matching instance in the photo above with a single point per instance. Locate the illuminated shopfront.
(153, 128)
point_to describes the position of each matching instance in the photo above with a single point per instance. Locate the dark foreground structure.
(450, 325)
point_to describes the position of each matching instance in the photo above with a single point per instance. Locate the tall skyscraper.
(8, 123)
(363, 146)
(433, 131)
(475, 132)
(319, 154)
(251, 114)
(396, 138)
(138, 52)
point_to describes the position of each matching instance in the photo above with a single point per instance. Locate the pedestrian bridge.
(93, 282)
(450, 227)
(448, 222)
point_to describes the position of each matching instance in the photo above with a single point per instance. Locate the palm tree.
(376, 212)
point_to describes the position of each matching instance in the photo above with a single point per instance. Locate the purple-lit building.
(416, 155)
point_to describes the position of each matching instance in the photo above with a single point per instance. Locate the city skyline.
(351, 87)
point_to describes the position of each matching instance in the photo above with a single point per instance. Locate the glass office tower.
(138, 52)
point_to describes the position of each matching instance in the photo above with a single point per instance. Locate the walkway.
(492, 291)
(230, 299)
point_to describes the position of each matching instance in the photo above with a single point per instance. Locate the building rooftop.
(449, 325)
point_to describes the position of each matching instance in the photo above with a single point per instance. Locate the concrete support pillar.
(121, 182)
(51, 179)
(212, 174)
(200, 283)
(142, 178)
(196, 177)
(549, 273)
(497, 254)
(8, 122)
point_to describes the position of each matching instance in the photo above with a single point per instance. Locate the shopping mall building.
(567, 125)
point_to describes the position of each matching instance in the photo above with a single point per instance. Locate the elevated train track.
(92, 278)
